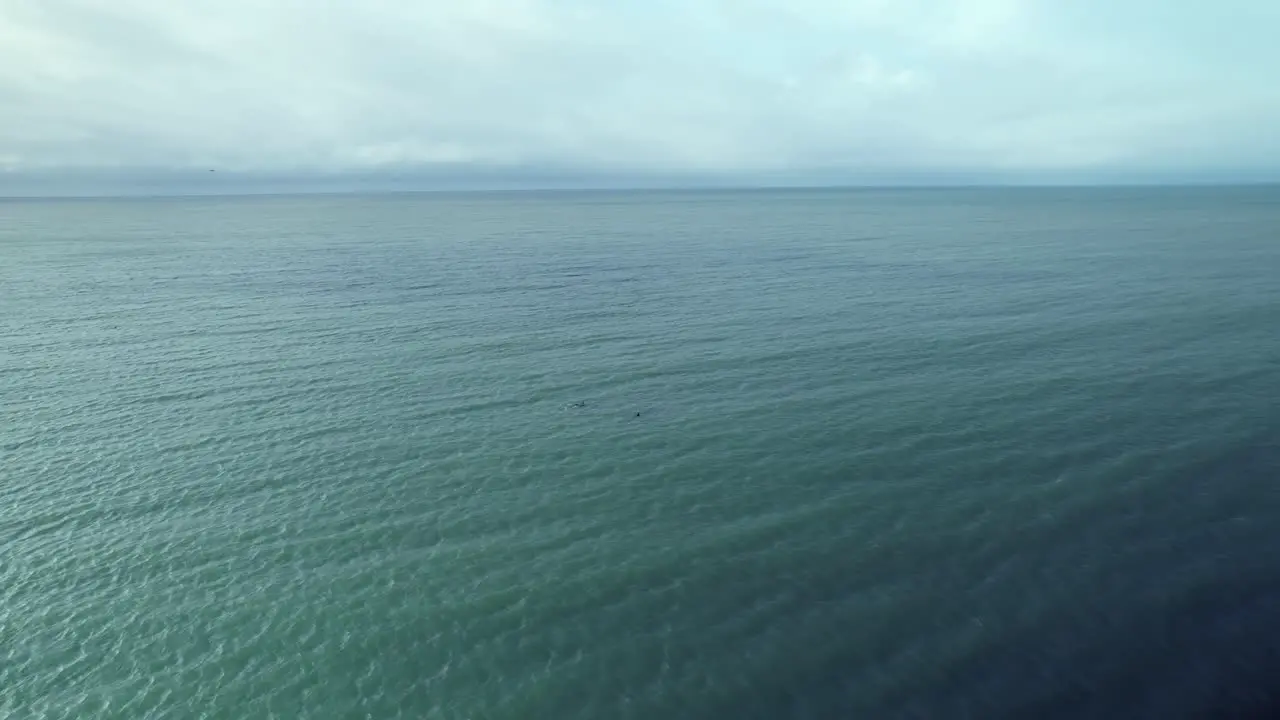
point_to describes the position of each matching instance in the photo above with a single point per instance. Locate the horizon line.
(708, 188)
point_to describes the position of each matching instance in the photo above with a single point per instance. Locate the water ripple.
(802, 454)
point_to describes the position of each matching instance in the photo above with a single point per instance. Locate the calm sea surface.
(805, 454)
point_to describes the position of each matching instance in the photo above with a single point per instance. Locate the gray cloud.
(700, 89)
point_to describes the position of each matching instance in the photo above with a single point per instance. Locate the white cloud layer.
(672, 86)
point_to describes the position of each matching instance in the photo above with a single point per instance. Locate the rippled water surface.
(805, 454)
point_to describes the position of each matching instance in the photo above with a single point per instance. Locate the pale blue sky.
(1014, 89)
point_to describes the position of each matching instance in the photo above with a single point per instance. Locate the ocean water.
(795, 454)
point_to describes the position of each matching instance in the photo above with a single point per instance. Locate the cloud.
(724, 87)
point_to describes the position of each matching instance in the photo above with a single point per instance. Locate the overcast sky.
(662, 88)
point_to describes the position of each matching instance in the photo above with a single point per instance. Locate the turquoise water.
(803, 454)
